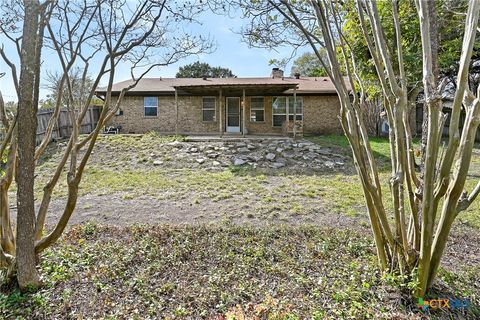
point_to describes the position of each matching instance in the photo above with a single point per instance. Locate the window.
(150, 106)
(283, 106)
(257, 109)
(279, 110)
(299, 111)
(208, 108)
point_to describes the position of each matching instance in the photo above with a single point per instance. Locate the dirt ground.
(182, 191)
(194, 199)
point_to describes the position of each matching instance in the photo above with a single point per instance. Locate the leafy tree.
(53, 85)
(201, 69)
(308, 65)
(450, 22)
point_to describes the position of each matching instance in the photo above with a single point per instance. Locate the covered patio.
(232, 96)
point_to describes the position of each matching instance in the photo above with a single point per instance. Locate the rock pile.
(274, 154)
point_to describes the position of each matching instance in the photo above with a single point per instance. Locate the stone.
(270, 156)
(279, 150)
(254, 158)
(213, 155)
(305, 145)
(241, 144)
(324, 152)
(216, 163)
(243, 150)
(251, 147)
(157, 163)
(238, 162)
(329, 164)
(311, 155)
(340, 163)
(278, 165)
(200, 160)
(193, 150)
(176, 144)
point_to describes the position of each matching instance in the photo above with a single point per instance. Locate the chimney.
(297, 75)
(277, 73)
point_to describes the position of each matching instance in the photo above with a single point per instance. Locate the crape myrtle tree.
(410, 238)
(18, 249)
(97, 37)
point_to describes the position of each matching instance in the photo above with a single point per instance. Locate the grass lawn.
(381, 150)
(182, 242)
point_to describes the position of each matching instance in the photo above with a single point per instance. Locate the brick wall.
(189, 116)
(320, 116)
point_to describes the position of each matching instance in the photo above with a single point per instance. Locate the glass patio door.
(233, 114)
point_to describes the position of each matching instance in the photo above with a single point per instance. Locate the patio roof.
(228, 89)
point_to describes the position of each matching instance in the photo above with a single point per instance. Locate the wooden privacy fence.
(63, 125)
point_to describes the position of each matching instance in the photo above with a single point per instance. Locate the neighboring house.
(229, 105)
(447, 100)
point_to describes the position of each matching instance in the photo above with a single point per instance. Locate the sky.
(230, 53)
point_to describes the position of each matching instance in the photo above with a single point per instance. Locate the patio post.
(220, 112)
(176, 112)
(294, 113)
(244, 105)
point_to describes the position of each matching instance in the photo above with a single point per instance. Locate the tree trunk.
(27, 274)
(434, 43)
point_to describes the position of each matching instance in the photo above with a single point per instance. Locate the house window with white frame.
(208, 109)
(150, 106)
(283, 106)
(257, 109)
(279, 111)
(299, 109)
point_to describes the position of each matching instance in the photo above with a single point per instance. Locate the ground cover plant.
(222, 272)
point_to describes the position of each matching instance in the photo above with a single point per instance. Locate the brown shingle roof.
(307, 85)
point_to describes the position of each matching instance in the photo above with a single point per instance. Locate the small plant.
(90, 229)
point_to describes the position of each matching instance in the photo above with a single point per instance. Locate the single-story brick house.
(229, 105)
